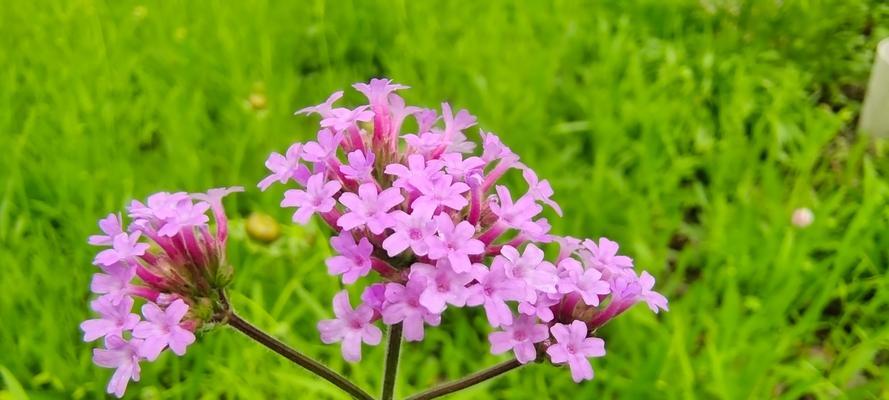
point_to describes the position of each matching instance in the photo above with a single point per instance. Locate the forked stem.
(470, 380)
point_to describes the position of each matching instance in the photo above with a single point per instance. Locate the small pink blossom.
(124, 357)
(324, 108)
(284, 167)
(125, 248)
(351, 327)
(318, 197)
(604, 256)
(341, 119)
(324, 148)
(520, 338)
(443, 192)
(411, 231)
(163, 328)
(111, 227)
(369, 208)
(517, 214)
(443, 285)
(587, 283)
(416, 173)
(574, 348)
(492, 291)
(403, 305)
(113, 319)
(377, 90)
(455, 243)
(360, 167)
(654, 299)
(114, 282)
(353, 260)
(529, 267)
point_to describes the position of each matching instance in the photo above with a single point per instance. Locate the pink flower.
(318, 197)
(493, 289)
(425, 143)
(351, 327)
(411, 230)
(442, 286)
(353, 260)
(185, 215)
(458, 167)
(574, 347)
(163, 328)
(540, 190)
(520, 338)
(377, 90)
(443, 193)
(403, 305)
(587, 283)
(542, 307)
(124, 357)
(605, 258)
(417, 173)
(284, 167)
(324, 108)
(111, 227)
(516, 215)
(360, 167)
(114, 284)
(370, 209)
(125, 248)
(455, 124)
(324, 148)
(654, 299)
(114, 319)
(538, 275)
(454, 243)
(341, 119)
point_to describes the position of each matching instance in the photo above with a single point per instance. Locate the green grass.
(686, 130)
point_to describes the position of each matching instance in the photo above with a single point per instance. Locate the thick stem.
(463, 383)
(393, 351)
(298, 358)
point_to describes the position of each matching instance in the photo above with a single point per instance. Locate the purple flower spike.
(574, 347)
(351, 327)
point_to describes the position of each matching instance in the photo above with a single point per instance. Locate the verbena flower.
(429, 213)
(171, 260)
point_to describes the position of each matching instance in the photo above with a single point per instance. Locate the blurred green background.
(688, 131)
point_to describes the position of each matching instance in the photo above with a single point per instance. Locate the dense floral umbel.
(424, 210)
(171, 259)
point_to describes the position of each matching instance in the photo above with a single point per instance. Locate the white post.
(875, 110)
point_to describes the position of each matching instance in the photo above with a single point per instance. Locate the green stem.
(393, 350)
(463, 383)
(296, 357)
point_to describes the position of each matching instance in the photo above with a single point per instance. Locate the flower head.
(427, 217)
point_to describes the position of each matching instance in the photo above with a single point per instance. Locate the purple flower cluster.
(170, 259)
(425, 211)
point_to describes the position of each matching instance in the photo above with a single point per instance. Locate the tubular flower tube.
(174, 263)
(424, 220)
